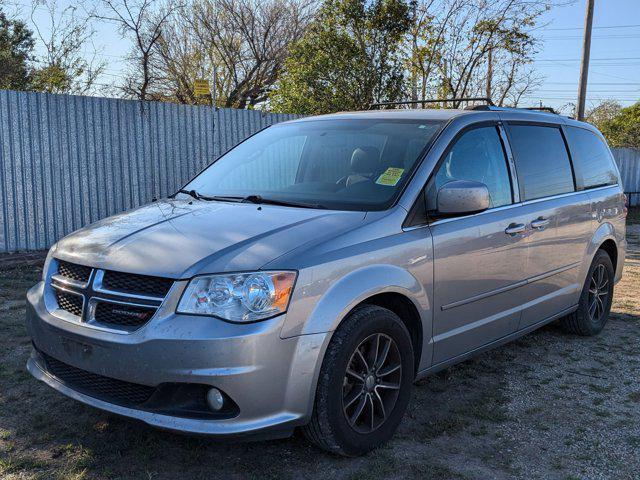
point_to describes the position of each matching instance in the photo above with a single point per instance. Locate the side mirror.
(462, 196)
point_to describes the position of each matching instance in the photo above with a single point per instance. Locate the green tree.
(623, 130)
(349, 58)
(16, 45)
(51, 79)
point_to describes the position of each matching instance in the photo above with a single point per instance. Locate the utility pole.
(489, 72)
(214, 87)
(584, 67)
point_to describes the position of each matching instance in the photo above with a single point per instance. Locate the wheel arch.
(406, 310)
(607, 238)
(387, 286)
(610, 246)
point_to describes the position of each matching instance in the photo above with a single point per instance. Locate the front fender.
(352, 289)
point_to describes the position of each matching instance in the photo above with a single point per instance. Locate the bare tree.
(64, 67)
(248, 41)
(603, 112)
(142, 21)
(463, 48)
(179, 59)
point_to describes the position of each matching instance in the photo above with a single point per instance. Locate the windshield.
(348, 164)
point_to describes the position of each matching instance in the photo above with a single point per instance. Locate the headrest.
(365, 160)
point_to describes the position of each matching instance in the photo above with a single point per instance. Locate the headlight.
(239, 297)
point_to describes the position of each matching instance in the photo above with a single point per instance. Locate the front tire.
(595, 300)
(365, 383)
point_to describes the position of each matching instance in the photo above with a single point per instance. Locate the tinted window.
(542, 161)
(591, 159)
(477, 155)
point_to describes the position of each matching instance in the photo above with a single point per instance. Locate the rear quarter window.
(592, 161)
(542, 161)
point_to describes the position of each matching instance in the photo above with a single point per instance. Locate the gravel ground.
(549, 405)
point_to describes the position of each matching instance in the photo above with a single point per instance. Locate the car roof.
(397, 114)
(444, 114)
(441, 114)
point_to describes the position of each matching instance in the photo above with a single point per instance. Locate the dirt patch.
(549, 405)
(20, 259)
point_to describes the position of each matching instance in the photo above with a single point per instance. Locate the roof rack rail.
(542, 109)
(487, 100)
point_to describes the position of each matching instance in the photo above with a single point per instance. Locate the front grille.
(69, 302)
(123, 315)
(115, 300)
(137, 284)
(79, 273)
(97, 386)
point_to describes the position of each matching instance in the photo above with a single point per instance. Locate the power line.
(573, 37)
(595, 83)
(578, 59)
(595, 28)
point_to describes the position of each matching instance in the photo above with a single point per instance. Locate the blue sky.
(615, 52)
(614, 71)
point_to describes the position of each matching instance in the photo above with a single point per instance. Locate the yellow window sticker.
(390, 177)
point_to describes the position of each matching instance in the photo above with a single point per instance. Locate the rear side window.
(591, 159)
(542, 161)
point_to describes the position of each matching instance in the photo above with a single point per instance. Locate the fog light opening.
(215, 399)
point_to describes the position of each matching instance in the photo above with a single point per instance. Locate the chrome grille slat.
(123, 306)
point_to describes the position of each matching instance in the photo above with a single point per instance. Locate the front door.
(479, 260)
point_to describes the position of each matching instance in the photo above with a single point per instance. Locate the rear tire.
(361, 397)
(595, 300)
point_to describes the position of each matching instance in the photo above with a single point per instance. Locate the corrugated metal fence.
(67, 161)
(628, 160)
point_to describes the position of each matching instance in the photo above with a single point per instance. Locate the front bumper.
(272, 380)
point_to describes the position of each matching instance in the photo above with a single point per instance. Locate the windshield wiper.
(258, 199)
(196, 195)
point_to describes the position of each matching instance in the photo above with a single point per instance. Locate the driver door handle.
(514, 229)
(540, 223)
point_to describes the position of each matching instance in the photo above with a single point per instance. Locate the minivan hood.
(180, 238)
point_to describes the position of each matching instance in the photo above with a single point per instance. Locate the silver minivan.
(311, 274)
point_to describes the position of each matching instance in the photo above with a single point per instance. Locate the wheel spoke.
(388, 385)
(351, 398)
(592, 309)
(359, 409)
(600, 275)
(380, 404)
(362, 359)
(371, 409)
(375, 351)
(599, 307)
(389, 370)
(355, 375)
(382, 357)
